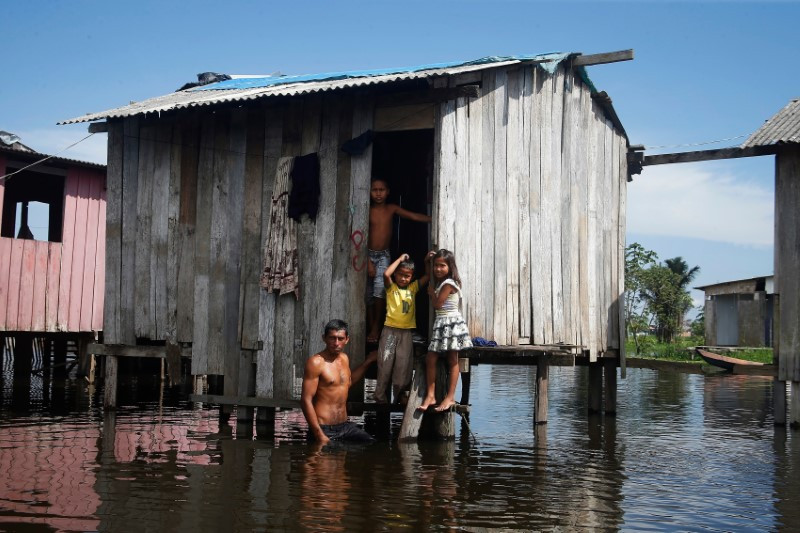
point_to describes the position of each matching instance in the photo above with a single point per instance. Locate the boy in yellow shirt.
(395, 348)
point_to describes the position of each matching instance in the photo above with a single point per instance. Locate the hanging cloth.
(280, 254)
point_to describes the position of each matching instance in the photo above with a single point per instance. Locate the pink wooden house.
(52, 268)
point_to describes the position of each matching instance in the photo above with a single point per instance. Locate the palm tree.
(685, 275)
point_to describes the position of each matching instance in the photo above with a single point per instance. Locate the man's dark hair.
(336, 325)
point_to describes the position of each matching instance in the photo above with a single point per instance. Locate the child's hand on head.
(405, 257)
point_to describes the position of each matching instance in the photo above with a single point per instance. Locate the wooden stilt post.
(466, 379)
(412, 419)
(110, 382)
(247, 388)
(60, 356)
(610, 375)
(440, 425)
(779, 401)
(542, 371)
(794, 410)
(595, 386)
(265, 423)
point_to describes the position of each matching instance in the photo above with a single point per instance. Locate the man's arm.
(311, 375)
(387, 274)
(411, 215)
(358, 373)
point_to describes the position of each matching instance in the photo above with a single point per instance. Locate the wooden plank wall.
(529, 194)
(51, 286)
(787, 262)
(189, 220)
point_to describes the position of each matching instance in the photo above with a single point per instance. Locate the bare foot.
(446, 404)
(426, 403)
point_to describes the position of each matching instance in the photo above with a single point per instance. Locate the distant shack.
(740, 312)
(51, 286)
(520, 161)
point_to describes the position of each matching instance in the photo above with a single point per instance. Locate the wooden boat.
(723, 361)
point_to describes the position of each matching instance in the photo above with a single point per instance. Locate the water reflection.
(684, 452)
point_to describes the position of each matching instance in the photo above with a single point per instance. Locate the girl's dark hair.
(450, 259)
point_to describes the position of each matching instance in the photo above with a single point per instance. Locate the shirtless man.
(381, 219)
(326, 382)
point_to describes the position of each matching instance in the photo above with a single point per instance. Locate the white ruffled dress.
(450, 331)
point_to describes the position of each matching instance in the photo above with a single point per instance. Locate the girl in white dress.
(450, 334)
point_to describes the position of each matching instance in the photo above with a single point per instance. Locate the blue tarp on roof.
(550, 63)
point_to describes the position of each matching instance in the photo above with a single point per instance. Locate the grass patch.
(683, 350)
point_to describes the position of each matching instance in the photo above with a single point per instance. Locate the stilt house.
(739, 313)
(519, 160)
(51, 280)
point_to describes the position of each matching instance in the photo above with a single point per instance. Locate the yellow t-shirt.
(400, 306)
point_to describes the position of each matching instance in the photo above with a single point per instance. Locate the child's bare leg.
(375, 319)
(452, 366)
(430, 379)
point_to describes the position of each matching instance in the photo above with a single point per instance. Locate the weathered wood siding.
(787, 262)
(529, 194)
(188, 223)
(52, 286)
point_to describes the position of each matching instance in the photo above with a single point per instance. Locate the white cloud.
(51, 141)
(685, 200)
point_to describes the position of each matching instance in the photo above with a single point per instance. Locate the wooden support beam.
(541, 402)
(98, 127)
(110, 383)
(430, 96)
(124, 350)
(610, 378)
(599, 59)
(794, 408)
(702, 155)
(595, 386)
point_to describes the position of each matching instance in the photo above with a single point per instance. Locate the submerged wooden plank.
(130, 186)
(113, 223)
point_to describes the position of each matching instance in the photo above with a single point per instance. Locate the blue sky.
(703, 71)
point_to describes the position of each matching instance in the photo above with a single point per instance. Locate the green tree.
(637, 317)
(665, 299)
(685, 277)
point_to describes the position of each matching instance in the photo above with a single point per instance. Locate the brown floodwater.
(685, 452)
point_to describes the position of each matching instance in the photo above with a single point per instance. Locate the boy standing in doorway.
(395, 349)
(381, 221)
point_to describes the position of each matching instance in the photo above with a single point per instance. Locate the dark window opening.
(405, 160)
(33, 207)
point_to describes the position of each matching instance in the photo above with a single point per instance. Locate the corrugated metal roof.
(242, 89)
(30, 157)
(782, 128)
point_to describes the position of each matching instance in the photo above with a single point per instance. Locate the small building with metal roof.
(519, 160)
(739, 312)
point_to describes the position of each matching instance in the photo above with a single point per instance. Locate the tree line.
(656, 294)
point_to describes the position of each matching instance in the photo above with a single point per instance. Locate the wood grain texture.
(71, 184)
(130, 186)
(514, 177)
(187, 220)
(113, 221)
(487, 201)
(500, 203)
(143, 290)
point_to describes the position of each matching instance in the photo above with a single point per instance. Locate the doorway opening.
(404, 159)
